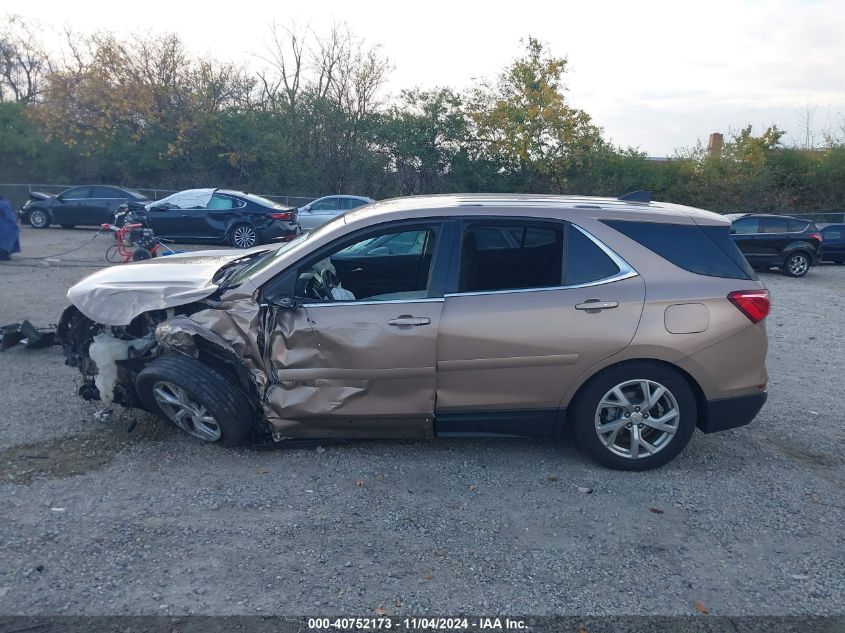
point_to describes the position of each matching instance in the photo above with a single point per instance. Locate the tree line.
(314, 119)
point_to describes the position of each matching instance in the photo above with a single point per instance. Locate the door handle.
(596, 305)
(407, 319)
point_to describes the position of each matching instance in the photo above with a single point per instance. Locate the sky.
(655, 75)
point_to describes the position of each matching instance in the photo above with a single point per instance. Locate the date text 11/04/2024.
(421, 623)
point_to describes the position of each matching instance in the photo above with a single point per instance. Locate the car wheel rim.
(38, 219)
(798, 265)
(244, 237)
(637, 419)
(189, 416)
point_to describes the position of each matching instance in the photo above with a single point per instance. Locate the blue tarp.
(10, 232)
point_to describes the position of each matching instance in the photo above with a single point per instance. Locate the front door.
(537, 304)
(358, 358)
(71, 207)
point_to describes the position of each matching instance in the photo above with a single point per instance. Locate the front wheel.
(635, 417)
(243, 236)
(796, 265)
(198, 399)
(39, 219)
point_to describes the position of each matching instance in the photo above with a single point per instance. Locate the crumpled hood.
(116, 295)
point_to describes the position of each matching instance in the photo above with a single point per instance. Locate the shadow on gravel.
(62, 457)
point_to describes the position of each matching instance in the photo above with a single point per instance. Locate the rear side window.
(833, 234)
(773, 225)
(705, 250)
(585, 261)
(797, 226)
(511, 256)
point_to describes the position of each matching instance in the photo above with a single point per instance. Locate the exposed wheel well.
(700, 399)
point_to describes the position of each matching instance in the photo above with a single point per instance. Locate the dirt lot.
(98, 521)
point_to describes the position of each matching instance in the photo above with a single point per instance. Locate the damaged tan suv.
(634, 322)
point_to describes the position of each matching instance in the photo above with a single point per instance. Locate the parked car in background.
(508, 315)
(833, 243)
(240, 219)
(781, 241)
(323, 209)
(87, 205)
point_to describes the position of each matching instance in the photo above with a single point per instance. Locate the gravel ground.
(98, 521)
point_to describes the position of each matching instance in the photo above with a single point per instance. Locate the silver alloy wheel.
(189, 416)
(798, 264)
(244, 236)
(637, 418)
(38, 218)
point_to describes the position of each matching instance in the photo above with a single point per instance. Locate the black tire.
(244, 236)
(584, 411)
(141, 254)
(206, 387)
(68, 226)
(38, 218)
(797, 264)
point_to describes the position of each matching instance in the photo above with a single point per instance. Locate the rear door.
(746, 234)
(774, 238)
(526, 316)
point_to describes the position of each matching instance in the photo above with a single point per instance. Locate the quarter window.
(511, 256)
(329, 204)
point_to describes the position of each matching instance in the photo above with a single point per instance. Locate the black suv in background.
(791, 244)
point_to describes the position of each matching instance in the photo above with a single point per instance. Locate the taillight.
(817, 236)
(755, 304)
(287, 216)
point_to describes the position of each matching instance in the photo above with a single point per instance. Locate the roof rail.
(637, 196)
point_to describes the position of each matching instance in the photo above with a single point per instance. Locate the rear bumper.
(278, 231)
(729, 413)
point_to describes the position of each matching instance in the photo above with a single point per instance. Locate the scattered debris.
(27, 334)
(585, 490)
(58, 509)
(799, 576)
(359, 482)
(261, 471)
(656, 510)
(699, 606)
(553, 478)
(472, 487)
(380, 611)
(320, 449)
(103, 415)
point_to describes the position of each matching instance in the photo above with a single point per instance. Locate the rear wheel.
(635, 417)
(198, 399)
(39, 219)
(243, 236)
(141, 254)
(796, 265)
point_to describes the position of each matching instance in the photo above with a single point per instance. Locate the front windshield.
(269, 258)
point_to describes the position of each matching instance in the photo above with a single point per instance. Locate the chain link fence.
(18, 193)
